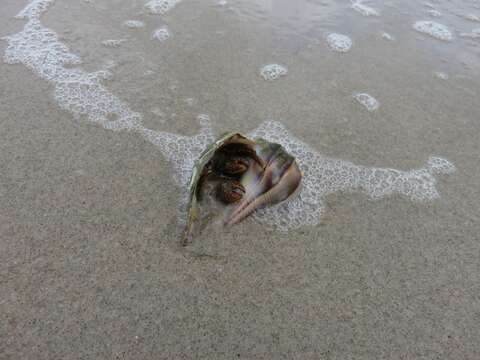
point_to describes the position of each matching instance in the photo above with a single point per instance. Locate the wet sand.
(91, 263)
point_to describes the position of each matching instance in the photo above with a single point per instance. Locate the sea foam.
(160, 6)
(441, 75)
(339, 42)
(474, 34)
(134, 24)
(363, 9)
(161, 34)
(272, 72)
(368, 101)
(472, 17)
(323, 176)
(114, 43)
(387, 36)
(434, 13)
(34, 9)
(434, 29)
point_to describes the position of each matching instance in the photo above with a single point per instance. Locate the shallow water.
(376, 99)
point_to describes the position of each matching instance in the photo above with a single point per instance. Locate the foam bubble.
(474, 34)
(134, 24)
(434, 13)
(113, 42)
(160, 7)
(161, 34)
(222, 3)
(387, 36)
(441, 75)
(368, 101)
(364, 9)
(434, 29)
(339, 42)
(472, 17)
(272, 72)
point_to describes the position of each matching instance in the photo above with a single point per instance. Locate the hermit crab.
(248, 174)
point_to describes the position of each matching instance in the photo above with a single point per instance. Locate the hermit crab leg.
(257, 181)
(288, 183)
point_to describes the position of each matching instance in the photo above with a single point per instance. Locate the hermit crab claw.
(273, 184)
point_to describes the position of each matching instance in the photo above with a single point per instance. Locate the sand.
(91, 266)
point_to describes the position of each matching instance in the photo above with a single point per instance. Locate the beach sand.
(91, 265)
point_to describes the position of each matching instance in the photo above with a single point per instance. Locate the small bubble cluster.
(472, 17)
(339, 42)
(364, 9)
(434, 13)
(160, 7)
(272, 72)
(113, 43)
(161, 34)
(368, 101)
(441, 75)
(438, 165)
(434, 29)
(38, 48)
(134, 24)
(387, 36)
(182, 150)
(474, 34)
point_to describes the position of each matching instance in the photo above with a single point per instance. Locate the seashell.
(251, 174)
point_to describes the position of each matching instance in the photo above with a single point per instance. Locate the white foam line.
(474, 34)
(324, 176)
(82, 93)
(113, 43)
(160, 7)
(363, 9)
(78, 91)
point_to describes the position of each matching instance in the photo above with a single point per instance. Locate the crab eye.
(235, 166)
(238, 190)
(230, 191)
